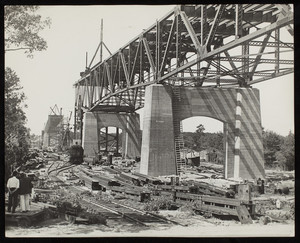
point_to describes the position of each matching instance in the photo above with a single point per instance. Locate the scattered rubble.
(69, 195)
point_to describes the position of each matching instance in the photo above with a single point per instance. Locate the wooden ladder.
(178, 136)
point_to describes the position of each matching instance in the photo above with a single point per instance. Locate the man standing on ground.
(24, 192)
(13, 185)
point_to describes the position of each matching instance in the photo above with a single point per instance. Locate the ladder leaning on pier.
(178, 136)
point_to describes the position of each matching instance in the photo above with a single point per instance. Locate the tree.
(188, 138)
(200, 129)
(200, 140)
(288, 151)
(281, 159)
(22, 27)
(215, 140)
(272, 144)
(16, 134)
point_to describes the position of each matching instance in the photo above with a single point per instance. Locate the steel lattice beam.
(192, 42)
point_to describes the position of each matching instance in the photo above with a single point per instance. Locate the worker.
(278, 204)
(76, 154)
(24, 192)
(13, 185)
(259, 185)
(262, 187)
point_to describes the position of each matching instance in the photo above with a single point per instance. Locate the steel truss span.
(193, 45)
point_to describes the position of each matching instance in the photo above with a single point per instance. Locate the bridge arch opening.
(110, 140)
(204, 142)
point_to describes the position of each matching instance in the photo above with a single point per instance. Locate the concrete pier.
(158, 157)
(129, 123)
(237, 108)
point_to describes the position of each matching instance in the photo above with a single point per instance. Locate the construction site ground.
(271, 221)
(197, 227)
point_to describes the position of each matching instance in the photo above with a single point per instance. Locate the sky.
(48, 77)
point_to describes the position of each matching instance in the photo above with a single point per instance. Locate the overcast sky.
(48, 78)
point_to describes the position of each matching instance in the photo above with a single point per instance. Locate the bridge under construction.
(57, 130)
(197, 60)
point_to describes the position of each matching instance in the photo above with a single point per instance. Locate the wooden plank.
(167, 193)
(24, 219)
(117, 188)
(217, 210)
(206, 192)
(128, 176)
(18, 213)
(220, 200)
(244, 215)
(166, 187)
(209, 199)
(188, 196)
(211, 188)
(181, 188)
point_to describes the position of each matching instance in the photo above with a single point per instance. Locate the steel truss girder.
(262, 60)
(232, 45)
(258, 57)
(272, 44)
(190, 35)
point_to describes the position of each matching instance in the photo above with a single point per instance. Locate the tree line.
(22, 25)
(279, 151)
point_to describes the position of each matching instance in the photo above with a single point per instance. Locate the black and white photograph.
(149, 121)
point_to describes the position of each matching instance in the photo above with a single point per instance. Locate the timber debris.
(89, 194)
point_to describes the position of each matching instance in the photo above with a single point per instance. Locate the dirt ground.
(191, 225)
(196, 228)
(195, 225)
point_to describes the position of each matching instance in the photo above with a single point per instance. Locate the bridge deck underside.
(215, 45)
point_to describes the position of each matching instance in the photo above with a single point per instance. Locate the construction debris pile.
(85, 193)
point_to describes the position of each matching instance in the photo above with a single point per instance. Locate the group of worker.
(19, 188)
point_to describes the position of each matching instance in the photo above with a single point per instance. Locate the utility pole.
(86, 60)
(101, 40)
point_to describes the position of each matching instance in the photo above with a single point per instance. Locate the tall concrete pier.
(128, 122)
(158, 157)
(51, 130)
(237, 108)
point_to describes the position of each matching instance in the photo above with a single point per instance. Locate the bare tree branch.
(16, 49)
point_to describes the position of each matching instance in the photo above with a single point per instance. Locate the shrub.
(163, 203)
